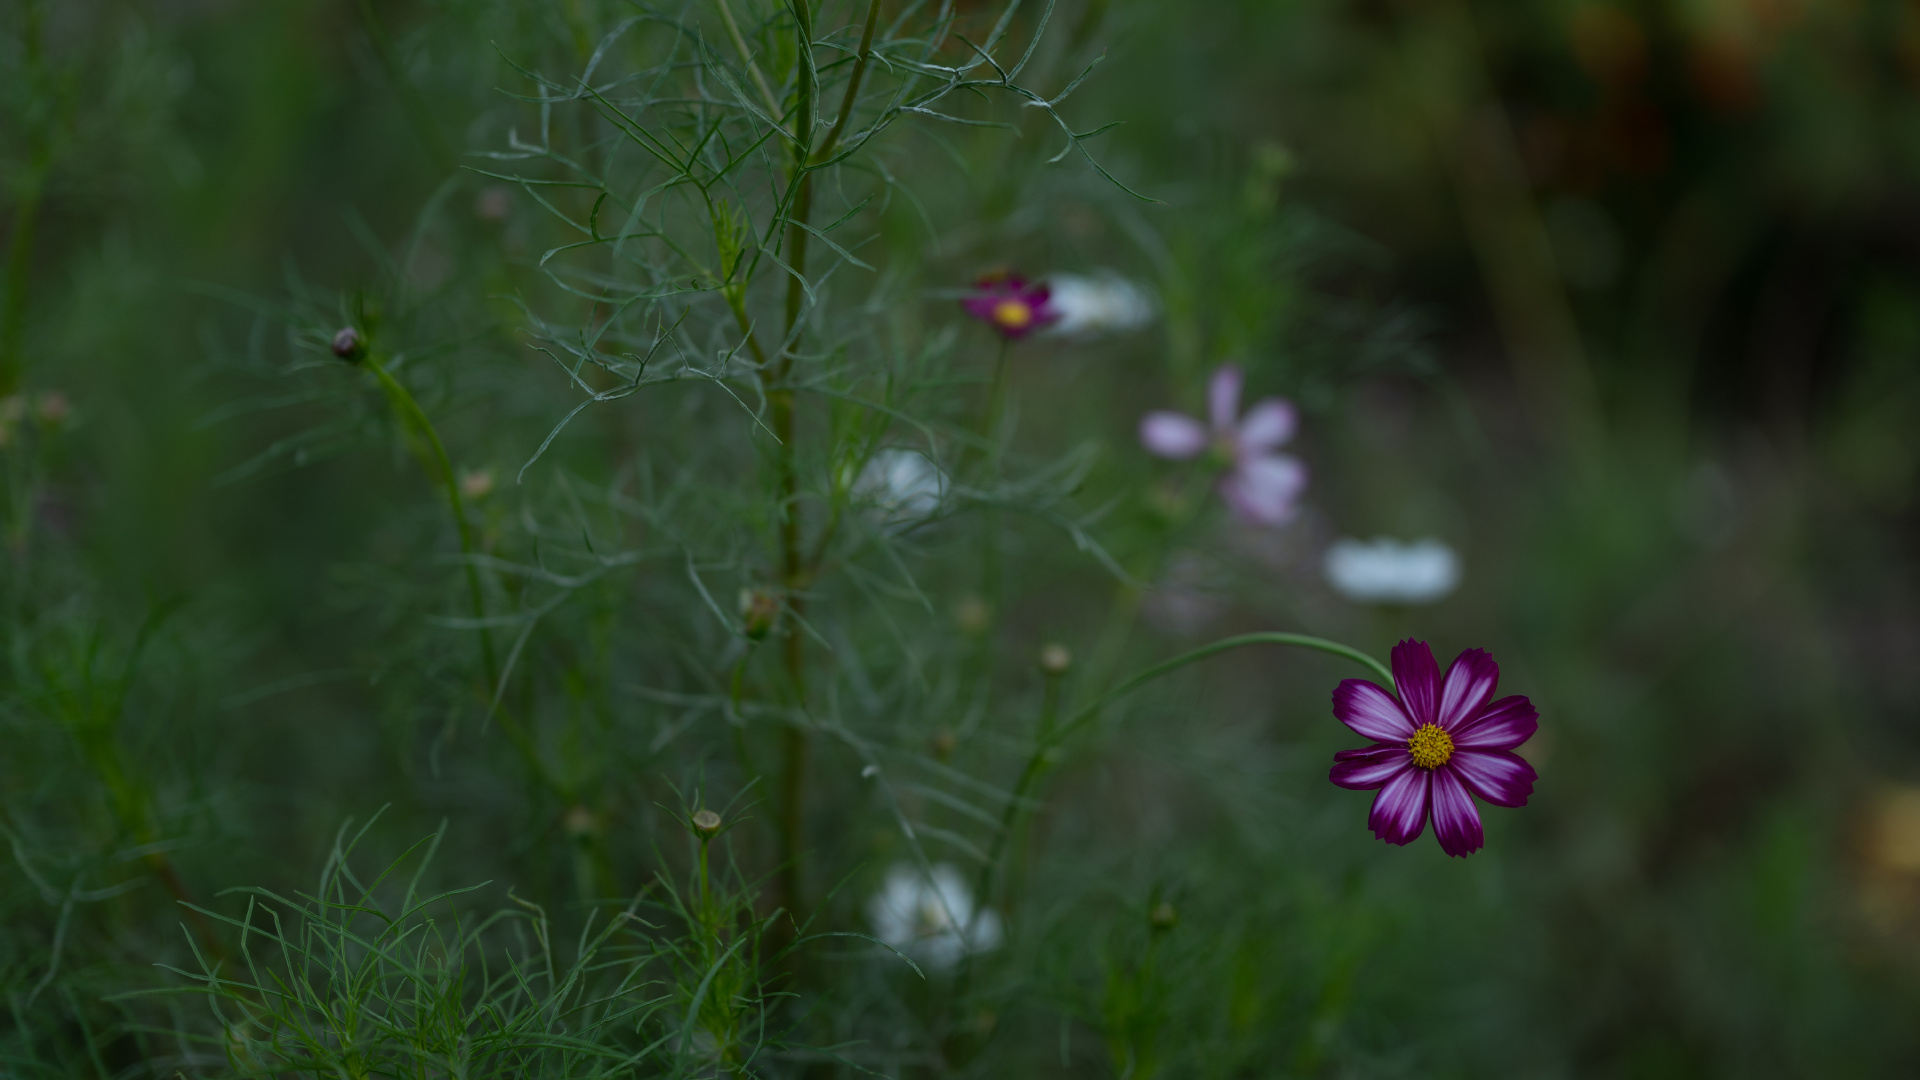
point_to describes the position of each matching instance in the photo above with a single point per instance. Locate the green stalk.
(1052, 736)
(440, 469)
(793, 564)
(793, 771)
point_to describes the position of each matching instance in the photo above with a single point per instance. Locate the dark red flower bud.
(347, 344)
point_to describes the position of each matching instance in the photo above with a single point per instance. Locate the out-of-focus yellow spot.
(1893, 833)
(1012, 314)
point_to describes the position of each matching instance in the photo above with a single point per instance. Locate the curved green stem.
(413, 415)
(1264, 637)
(1051, 736)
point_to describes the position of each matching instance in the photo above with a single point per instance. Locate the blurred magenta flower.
(1011, 304)
(1260, 485)
(1435, 743)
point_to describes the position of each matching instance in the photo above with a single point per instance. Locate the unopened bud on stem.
(1163, 916)
(706, 823)
(1055, 659)
(759, 610)
(348, 345)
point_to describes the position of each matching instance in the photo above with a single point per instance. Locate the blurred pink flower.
(1260, 485)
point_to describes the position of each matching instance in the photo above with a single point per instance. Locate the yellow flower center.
(1430, 747)
(1012, 314)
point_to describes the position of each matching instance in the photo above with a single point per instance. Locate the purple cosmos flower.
(1435, 743)
(1260, 485)
(1011, 304)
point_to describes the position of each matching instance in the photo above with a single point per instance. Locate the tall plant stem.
(793, 566)
(793, 740)
(1051, 736)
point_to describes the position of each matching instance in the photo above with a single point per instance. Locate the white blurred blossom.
(932, 918)
(1092, 305)
(1386, 571)
(903, 485)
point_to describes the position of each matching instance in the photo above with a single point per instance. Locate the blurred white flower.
(1387, 571)
(902, 484)
(932, 919)
(1104, 303)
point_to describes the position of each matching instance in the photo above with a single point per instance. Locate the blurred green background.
(1620, 299)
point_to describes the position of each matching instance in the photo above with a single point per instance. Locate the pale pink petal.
(1503, 725)
(1172, 435)
(1369, 768)
(1501, 777)
(1370, 711)
(1399, 812)
(1268, 424)
(1456, 821)
(1468, 686)
(1223, 396)
(1417, 677)
(1262, 490)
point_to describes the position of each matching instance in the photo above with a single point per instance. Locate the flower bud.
(759, 610)
(1055, 659)
(347, 344)
(973, 615)
(1163, 916)
(581, 823)
(476, 483)
(706, 823)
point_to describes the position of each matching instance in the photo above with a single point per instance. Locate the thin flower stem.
(1051, 737)
(440, 469)
(412, 414)
(746, 57)
(996, 401)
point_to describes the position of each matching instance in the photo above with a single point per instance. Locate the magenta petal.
(1399, 812)
(1456, 821)
(1366, 769)
(1502, 725)
(1223, 396)
(1268, 424)
(1417, 677)
(1468, 686)
(1370, 711)
(1172, 435)
(1501, 777)
(1262, 490)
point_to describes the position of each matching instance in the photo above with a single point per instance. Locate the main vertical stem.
(793, 772)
